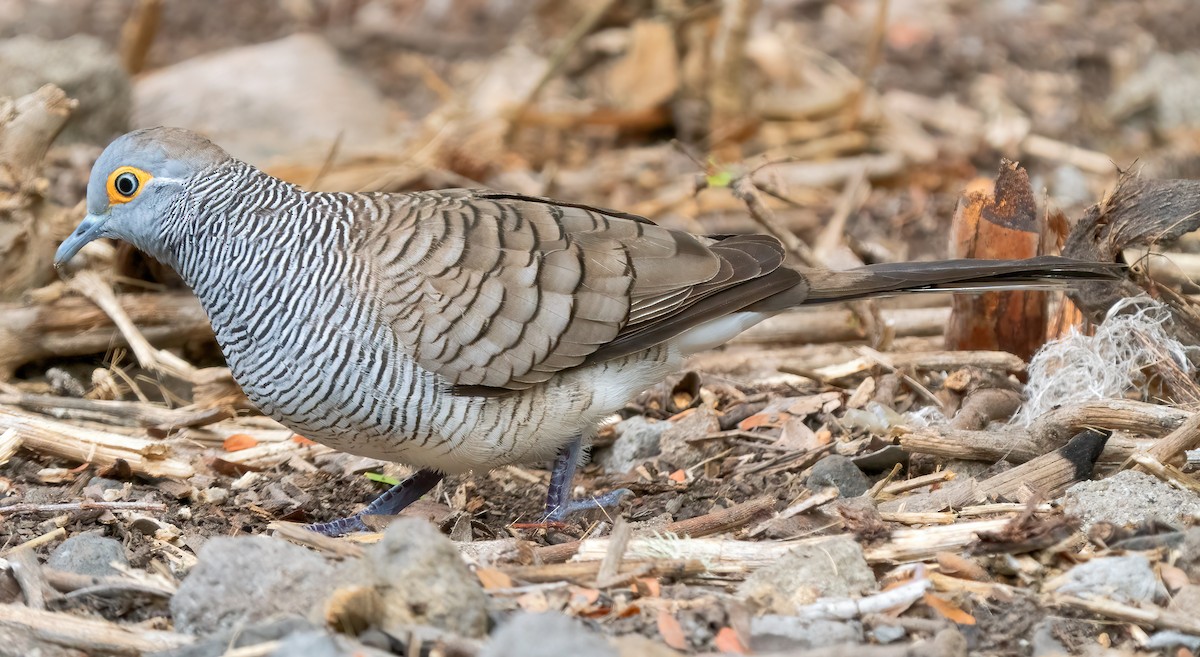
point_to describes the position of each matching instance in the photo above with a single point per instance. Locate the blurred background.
(876, 113)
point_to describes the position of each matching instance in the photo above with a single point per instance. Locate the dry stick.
(611, 565)
(136, 413)
(870, 63)
(1157, 618)
(29, 507)
(1174, 444)
(557, 60)
(25, 569)
(1049, 474)
(584, 571)
(716, 522)
(90, 635)
(68, 441)
(93, 286)
(904, 545)
(897, 487)
(37, 541)
(137, 35)
(71, 326)
(824, 325)
(807, 504)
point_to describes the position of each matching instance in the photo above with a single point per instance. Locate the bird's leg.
(559, 505)
(393, 501)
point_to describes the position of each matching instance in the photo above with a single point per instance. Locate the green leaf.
(721, 178)
(381, 478)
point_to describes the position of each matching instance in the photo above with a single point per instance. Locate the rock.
(239, 637)
(1129, 498)
(286, 100)
(1189, 554)
(634, 645)
(888, 633)
(637, 439)
(677, 452)
(82, 66)
(773, 632)
(20, 641)
(1044, 643)
(949, 643)
(1127, 579)
(1186, 599)
(323, 644)
(419, 578)
(831, 569)
(89, 554)
(839, 471)
(549, 634)
(242, 580)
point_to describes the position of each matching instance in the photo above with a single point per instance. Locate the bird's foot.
(340, 526)
(393, 501)
(561, 511)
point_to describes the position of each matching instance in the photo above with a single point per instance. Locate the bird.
(459, 330)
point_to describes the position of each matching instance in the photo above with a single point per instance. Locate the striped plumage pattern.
(457, 329)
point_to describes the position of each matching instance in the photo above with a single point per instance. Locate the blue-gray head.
(135, 183)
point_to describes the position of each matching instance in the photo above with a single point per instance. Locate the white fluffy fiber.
(1107, 365)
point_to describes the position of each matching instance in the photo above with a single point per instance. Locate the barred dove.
(457, 330)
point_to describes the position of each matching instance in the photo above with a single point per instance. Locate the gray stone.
(888, 633)
(831, 569)
(288, 100)
(89, 554)
(773, 632)
(1186, 599)
(243, 580)
(420, 579)
(220, 643)
(1129, 498)
(1044, 643)
(549, 634)
(1189, 554)
(839, 471)
(637, 440)
(323, 644)
(1127, 579)
(677, 452)
(82, 66)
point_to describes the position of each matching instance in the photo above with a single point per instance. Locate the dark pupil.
(127, 184)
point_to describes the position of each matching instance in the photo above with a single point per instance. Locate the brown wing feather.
(501, 291)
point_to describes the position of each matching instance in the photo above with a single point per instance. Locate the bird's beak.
(89, 229)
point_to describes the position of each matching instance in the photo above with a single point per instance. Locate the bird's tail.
(826, 286)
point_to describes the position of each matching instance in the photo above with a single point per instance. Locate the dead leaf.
(647, 587)
(769, 420)
(728, 641)
(948, 610)
(492, 579)
(961, 567)
(679, 477)
(671, 631)
(648, 75)
(238, 442)
(1173, 577)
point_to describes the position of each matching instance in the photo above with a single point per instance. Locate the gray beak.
(89, 229)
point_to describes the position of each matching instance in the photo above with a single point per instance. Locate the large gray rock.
(83, 67)
(832, 569)
(286, 100)
(838, 471)
(548, 634)
(243, 580)
(419, 578)
(637, 440)
(772, 632)
(1129, 498)
(323, 644)
(1128, 579)
(89, 554)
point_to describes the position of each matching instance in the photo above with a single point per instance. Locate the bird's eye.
(126, 184)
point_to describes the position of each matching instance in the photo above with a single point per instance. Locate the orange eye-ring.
(125, 183)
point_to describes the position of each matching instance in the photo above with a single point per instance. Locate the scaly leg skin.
(558, 503)
(393, 501)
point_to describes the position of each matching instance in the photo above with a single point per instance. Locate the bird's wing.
(502, 291)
